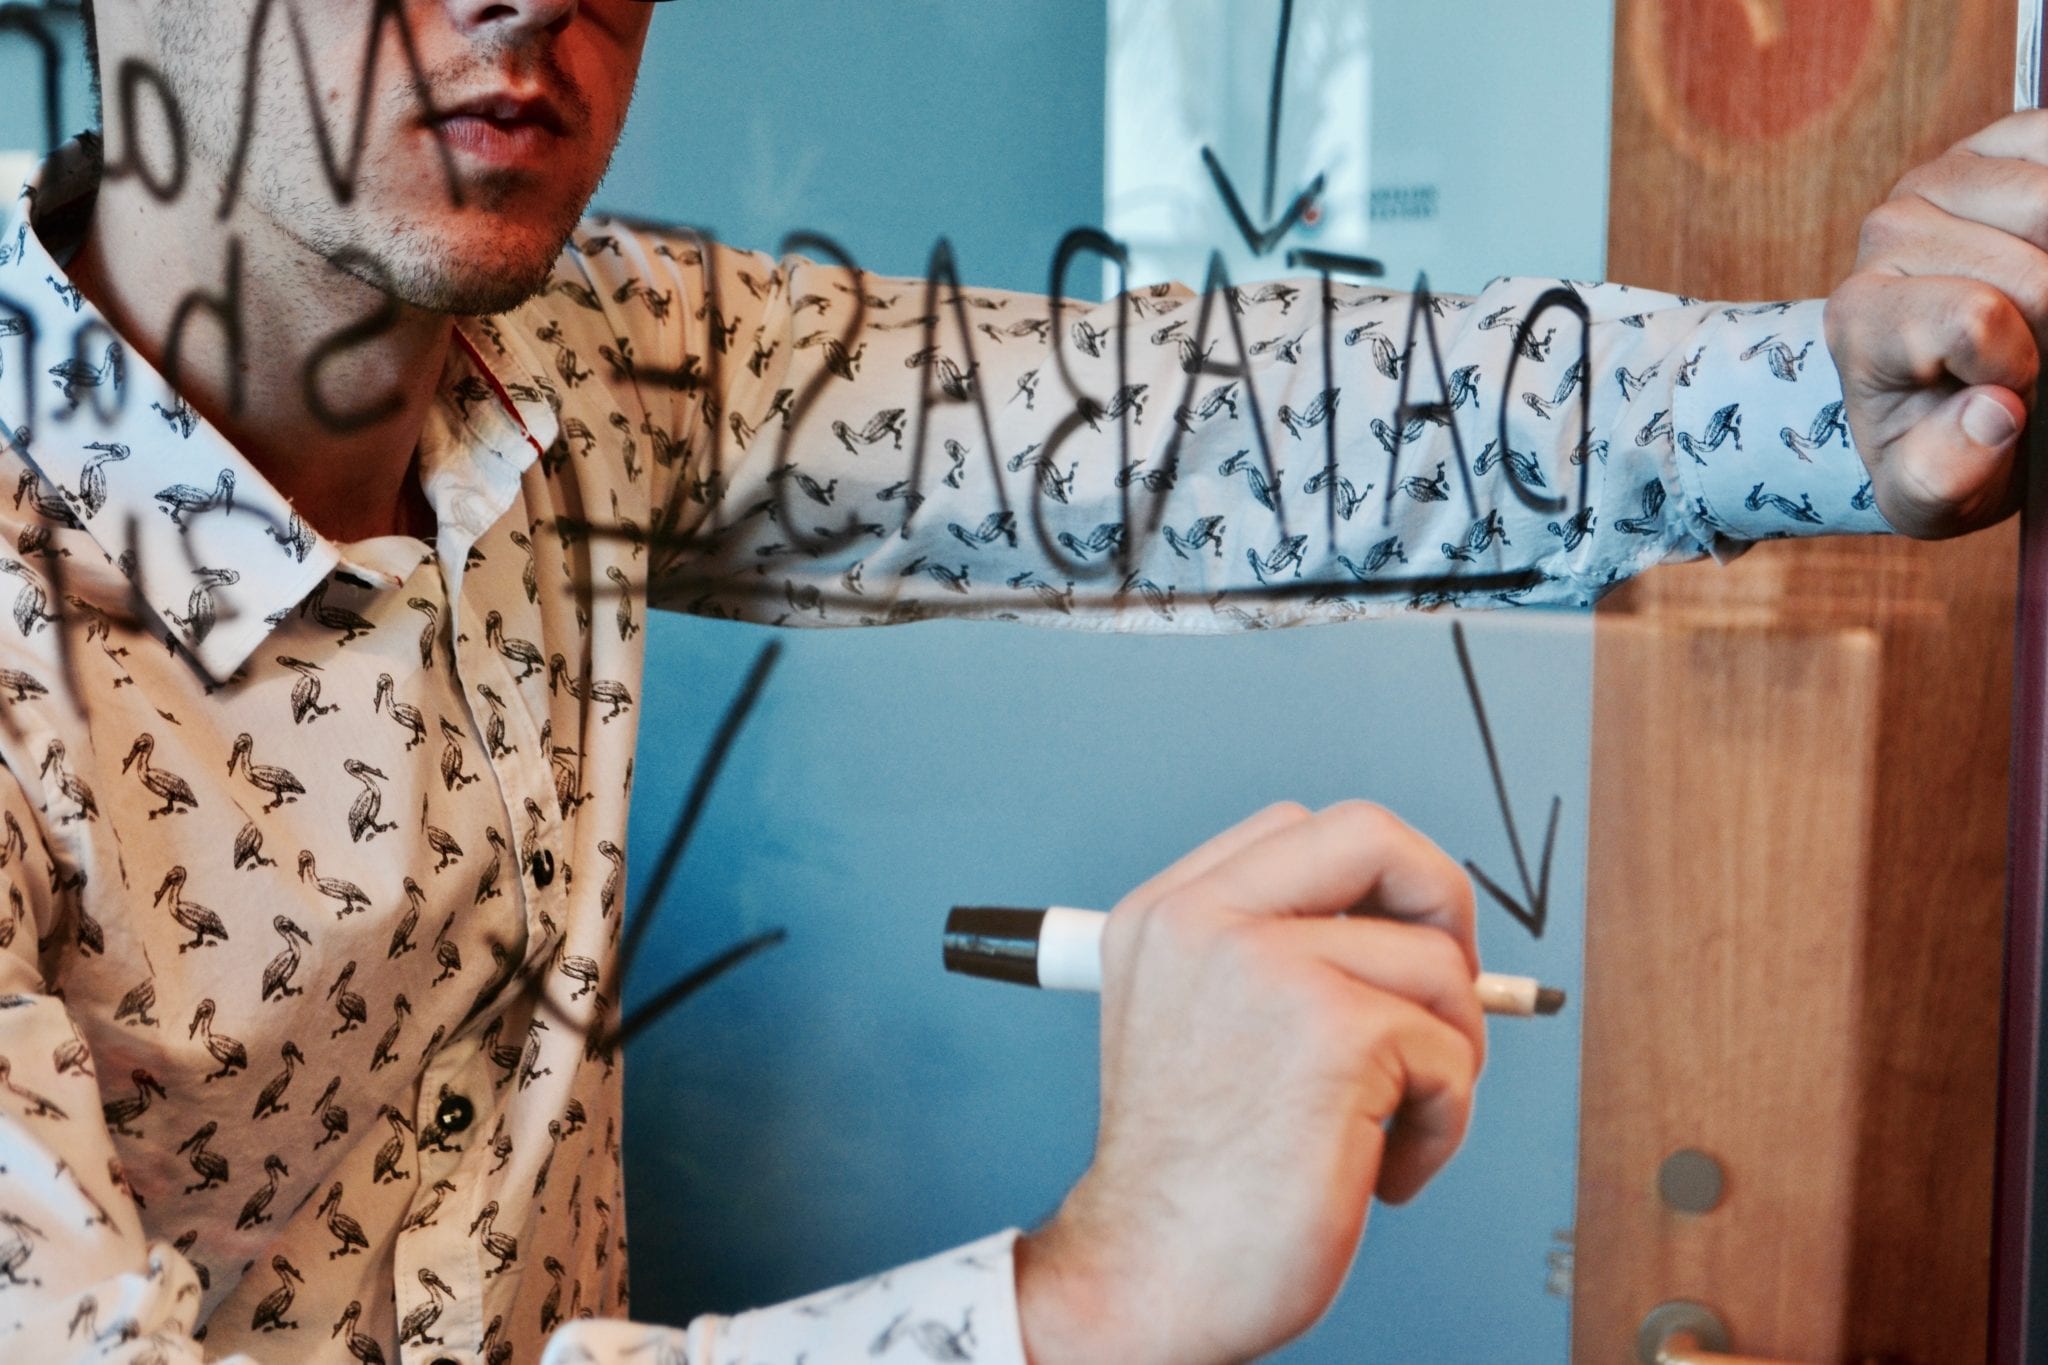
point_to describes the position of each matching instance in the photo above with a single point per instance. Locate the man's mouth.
(502, 129)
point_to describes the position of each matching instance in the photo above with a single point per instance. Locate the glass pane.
(839, 1104)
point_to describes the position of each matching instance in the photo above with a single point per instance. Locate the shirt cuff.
(1763, 446)
(961, 1305)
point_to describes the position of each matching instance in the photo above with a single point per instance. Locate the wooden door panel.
(1850, 701)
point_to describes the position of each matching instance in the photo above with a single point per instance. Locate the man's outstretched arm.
(834, 447)
(863, 450)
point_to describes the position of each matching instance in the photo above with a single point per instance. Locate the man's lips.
(508, 110)
(504, 129)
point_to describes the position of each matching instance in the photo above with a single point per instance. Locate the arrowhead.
(1536, 913)
(1532, 911)
(1261, 240)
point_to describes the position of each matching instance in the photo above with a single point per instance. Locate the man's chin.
(476, 269)
(473, 278)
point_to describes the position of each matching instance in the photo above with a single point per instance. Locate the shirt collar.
(167, 498)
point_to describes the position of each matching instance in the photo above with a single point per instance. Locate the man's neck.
(141, 258)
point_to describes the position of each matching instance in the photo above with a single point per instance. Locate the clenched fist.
(1938, 333)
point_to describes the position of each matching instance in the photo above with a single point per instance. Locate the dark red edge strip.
(2016, 1278)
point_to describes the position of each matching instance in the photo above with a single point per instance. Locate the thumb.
(1956, 469)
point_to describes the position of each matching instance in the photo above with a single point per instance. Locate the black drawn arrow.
(1533, 910)
(1263, 240)
(642, 916)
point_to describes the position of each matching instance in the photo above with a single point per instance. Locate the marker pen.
(1058, 948)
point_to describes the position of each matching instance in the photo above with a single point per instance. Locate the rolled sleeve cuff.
(1763, 446)
(961, 1305)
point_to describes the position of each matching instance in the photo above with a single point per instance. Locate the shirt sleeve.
(850, 449)
(79, 1279)
(960, 1306)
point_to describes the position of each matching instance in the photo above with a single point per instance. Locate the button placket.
(442, 1245)
(478, 662)
(526, 790)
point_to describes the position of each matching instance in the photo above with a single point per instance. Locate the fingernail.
(1989, 423)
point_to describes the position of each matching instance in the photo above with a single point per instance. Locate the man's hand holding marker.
(1290, 1024)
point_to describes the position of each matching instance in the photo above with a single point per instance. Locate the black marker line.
(27, 20)
(680, 990)
(708, 770)
(1263, 240)
(1273, 102)
(1335, 263)
(1562, 296)
(600, 1040)
(1536, 912)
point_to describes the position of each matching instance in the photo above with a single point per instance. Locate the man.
(340, 487)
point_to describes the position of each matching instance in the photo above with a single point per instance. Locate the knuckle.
(1939, 484)
(1886, 227)
(1368, 1017)
(1977, 314)
(1242, 954)
(1184, 928)
(1170, 919)
(1241, 945)
(1915, 182)
(1134, 927)
(1368, 819)
(1461, 1086)
(1285, 812)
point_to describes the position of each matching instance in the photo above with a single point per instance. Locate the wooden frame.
(2019, 1277)
(1797, 859)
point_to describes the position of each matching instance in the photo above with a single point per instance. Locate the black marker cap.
(996, 942)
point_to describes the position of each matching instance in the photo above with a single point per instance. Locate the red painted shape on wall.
(1762, 70)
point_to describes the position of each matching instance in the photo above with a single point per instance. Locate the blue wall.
(880, 125)
(24, 123)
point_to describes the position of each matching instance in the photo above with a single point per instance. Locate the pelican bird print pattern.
(313, 851)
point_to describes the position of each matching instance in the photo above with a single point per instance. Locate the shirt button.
(542, 866)
(454, 1113)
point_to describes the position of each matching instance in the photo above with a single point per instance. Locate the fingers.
(1903, 333)
(1351, 858)
(1940, 372)
(2007, 194)
(1194, 864)
(1938, 336)
(2022, 136)
(1353, 891)
(1977, 229)
(1433, 1066)
(1948, 476)
(1421, 965)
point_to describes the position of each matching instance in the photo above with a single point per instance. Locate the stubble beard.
(485, 255)
(465, 270)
